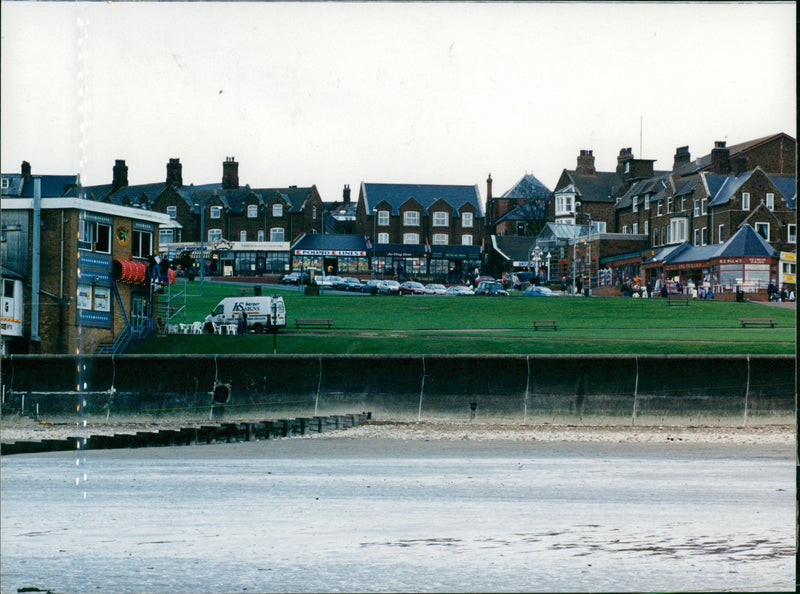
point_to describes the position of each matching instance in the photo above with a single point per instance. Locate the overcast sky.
(340, 93)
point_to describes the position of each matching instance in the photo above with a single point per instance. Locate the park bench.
(313, 323)
(678, 300)
(744, 322)
(545, 325)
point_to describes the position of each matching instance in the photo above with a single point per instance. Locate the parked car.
(327, 281)
(371, 286)
(434, 289)
(295, 278)
(412, 288)
(491, 288)
(388, 287)
(348, 283)
(459, 290)
(539, 291)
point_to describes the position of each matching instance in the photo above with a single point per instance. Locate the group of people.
(784, 294)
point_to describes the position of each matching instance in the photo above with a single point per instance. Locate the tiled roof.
(527, 188)
(600, 187)
(722, 187)
(652, 185)
(398, 194)
(514, 248)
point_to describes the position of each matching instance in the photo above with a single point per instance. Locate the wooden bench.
(545, 325)
(678, 300)
(744, 322)
(313, 323)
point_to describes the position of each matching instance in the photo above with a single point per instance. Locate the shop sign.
(344, 253)
(744, 260)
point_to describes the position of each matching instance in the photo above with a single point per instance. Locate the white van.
(264, 314)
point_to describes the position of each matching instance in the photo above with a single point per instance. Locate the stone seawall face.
(544, 387)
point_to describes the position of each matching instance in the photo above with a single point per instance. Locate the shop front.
(342, 255)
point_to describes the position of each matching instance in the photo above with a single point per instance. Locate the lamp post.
(202, 245)
(374, 237)
(536, 257)
(547, 257)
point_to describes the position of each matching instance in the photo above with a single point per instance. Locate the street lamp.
(202, 246)
(547, 256)
(536, 257)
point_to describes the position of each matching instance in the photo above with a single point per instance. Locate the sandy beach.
(15, 428)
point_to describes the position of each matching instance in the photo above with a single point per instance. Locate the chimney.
(720, 158)
(26, 170)
(625, 154)
(175, 172)
(586, 163)
(740, 165)
(120, 175)
(489, 187)
(682, 157)
(346, 194)
(230, 174)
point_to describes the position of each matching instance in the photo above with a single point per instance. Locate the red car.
(412, 288)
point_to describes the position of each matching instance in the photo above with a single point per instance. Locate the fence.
(588, 389)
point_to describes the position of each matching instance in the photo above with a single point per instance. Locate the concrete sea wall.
(544, 388)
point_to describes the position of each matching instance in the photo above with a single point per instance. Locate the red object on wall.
(133, 273)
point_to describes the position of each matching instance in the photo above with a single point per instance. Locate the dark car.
(348, 283)
(371, 286)
(490, 288)
(412, 288)
(294, 278)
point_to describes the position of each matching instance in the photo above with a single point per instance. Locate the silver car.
(434, 289)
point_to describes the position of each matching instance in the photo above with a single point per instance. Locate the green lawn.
(392, 325)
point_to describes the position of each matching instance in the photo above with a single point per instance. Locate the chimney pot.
(720, 158)
(585, 163)
(120, 175)
(175, 172)
(26, 170)
(230, 174)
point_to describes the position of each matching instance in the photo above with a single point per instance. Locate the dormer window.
(440, 219)
(216, 212)
(252, 211)
(383, 218)
(277, 210)
(6, 183)
(565, 204)
(411, 219)
(172, 212)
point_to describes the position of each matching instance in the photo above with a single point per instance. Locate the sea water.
(344, 515)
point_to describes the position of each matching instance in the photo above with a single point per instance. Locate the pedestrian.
(242, 326)
(664, 291)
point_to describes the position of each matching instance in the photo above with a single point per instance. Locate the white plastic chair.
(197, 327)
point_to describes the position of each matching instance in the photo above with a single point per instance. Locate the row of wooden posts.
(222, 433)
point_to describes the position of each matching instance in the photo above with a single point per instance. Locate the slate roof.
(686, 185)
(734, 150)
(316, 241)
(14, 184)
(745, 242)
(53, 186)
(787, 186)
(723, 187)
(600, 187)
(533, 210)
(398, 194)
(528, 188)
(563, 231)
(652, 185)
(512, 247)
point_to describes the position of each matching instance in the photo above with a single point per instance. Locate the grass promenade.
(366, 324)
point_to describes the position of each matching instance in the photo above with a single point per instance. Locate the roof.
(528, 188)
(733, 150)
(512, 247)
(744, 243)
(316, 241)
(723, 187)
(600, 187)
(556, 231)
(652, 185)
(398, 194)
(787, 186)
(533, 210)
(53, 186)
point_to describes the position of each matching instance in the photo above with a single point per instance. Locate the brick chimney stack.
(682, 157)
(26, 170)
(625, 154)
(120, 173)
(346, 194)
(230, 174)
(720, 158)
(586, 163)
(175, 172)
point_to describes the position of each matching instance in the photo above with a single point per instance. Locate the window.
(314, 212)
(627, 166)
(704, 236)
(635, 205)
(704, 206)
(6, 183)
(165, 236)
(276, 234)
(655, 236)
(635, 228)
(625, 229)
(678, 229)
(745, 200)
(697, 207)
(383, 238)
(466, 239)
(172, 212)
(277, 210)
(771, 201)
(683, 204)
(565, 204)
(95, 236)
(598, 226)
(721, 234)
(243, 235)
(410, 238)
(791, 233)
(141, 244)
(260, 235)
(216, 212)
(411, 219)
(763, 230)
(440, 219)
(383, 218)
(697, 236)
(663, 235)
(214, 235)
(647, 201)
(466, 219)
(252, 211)
(669, 205)
(440, 239)
(658, 208)
(646, 230)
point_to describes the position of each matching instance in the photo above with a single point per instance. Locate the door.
(140, 311)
